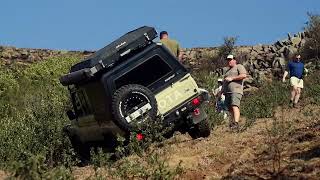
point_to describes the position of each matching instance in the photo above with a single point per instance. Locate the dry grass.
(247, 154)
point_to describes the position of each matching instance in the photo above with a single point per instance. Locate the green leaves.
(32, 113)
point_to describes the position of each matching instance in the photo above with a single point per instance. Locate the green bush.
(312, 87)
(209, 63)
(34, 167)
(311, 49)
(144, 162)
(262, 103)
(33, 114)
(227, 48)
(152, 165)
(209, 82)
(205, 80)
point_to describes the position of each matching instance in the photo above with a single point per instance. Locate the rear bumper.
(188, 113)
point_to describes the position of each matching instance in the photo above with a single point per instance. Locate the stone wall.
(259, 56)
(262, 61)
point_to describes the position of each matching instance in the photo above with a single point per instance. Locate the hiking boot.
(235, 127)
(291, 104)
(231, 124)
(295, 105)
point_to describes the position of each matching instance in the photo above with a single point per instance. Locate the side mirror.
(71, 115)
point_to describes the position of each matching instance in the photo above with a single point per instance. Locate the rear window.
(146, 73)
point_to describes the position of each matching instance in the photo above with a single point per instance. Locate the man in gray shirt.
(233, 89)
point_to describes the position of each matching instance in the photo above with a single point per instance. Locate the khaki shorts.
(233, 99)
(294, 81)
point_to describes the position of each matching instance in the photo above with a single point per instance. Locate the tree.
(311, 49)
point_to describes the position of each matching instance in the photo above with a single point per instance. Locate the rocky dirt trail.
(291, 139)
(287, 146)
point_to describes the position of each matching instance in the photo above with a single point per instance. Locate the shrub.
(209, 82)
(311, 49)
(213, 62)
(227, 47)
(34, 167)
(152, 165)
(34, 113)
(312, 87)
(276, 136)
(144, 162)
(151, 131)
(262, 103)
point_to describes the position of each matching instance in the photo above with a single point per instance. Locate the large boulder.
(278, 62)
(295, 41)
(290, 51)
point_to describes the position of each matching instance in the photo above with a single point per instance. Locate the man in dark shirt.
(296, 70)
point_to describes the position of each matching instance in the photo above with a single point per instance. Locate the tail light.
(196, 101)
(139, 136)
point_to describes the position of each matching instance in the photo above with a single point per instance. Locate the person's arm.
(179, 52)
(284, 76)
(236, 78)
(286, 71)
(180, 55)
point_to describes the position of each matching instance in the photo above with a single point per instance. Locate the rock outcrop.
(9, 55)
(262, 61)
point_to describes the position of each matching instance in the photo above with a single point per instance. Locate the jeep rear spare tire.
(132, 104)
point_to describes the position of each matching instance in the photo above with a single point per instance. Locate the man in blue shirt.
(296, 70)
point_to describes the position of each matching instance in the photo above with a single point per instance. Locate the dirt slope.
(294, 142)
(287, 146)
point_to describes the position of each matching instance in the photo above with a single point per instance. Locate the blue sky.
(91, 24)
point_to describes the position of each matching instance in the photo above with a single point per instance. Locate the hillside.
(275, 141)
(288, 149)
(287, 146)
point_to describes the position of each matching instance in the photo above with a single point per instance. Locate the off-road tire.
(202, 129)
(82, 150)
(124, 95)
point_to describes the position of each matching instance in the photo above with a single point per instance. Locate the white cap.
(220, 79)
(230, 56)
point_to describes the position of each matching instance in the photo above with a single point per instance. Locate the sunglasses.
(229, 59)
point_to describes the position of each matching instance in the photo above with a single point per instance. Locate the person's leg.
(235, 104)
(229, 108)
(236, 113)
(298, 93)
(293, 93)
(231, 116)
(293, 83)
